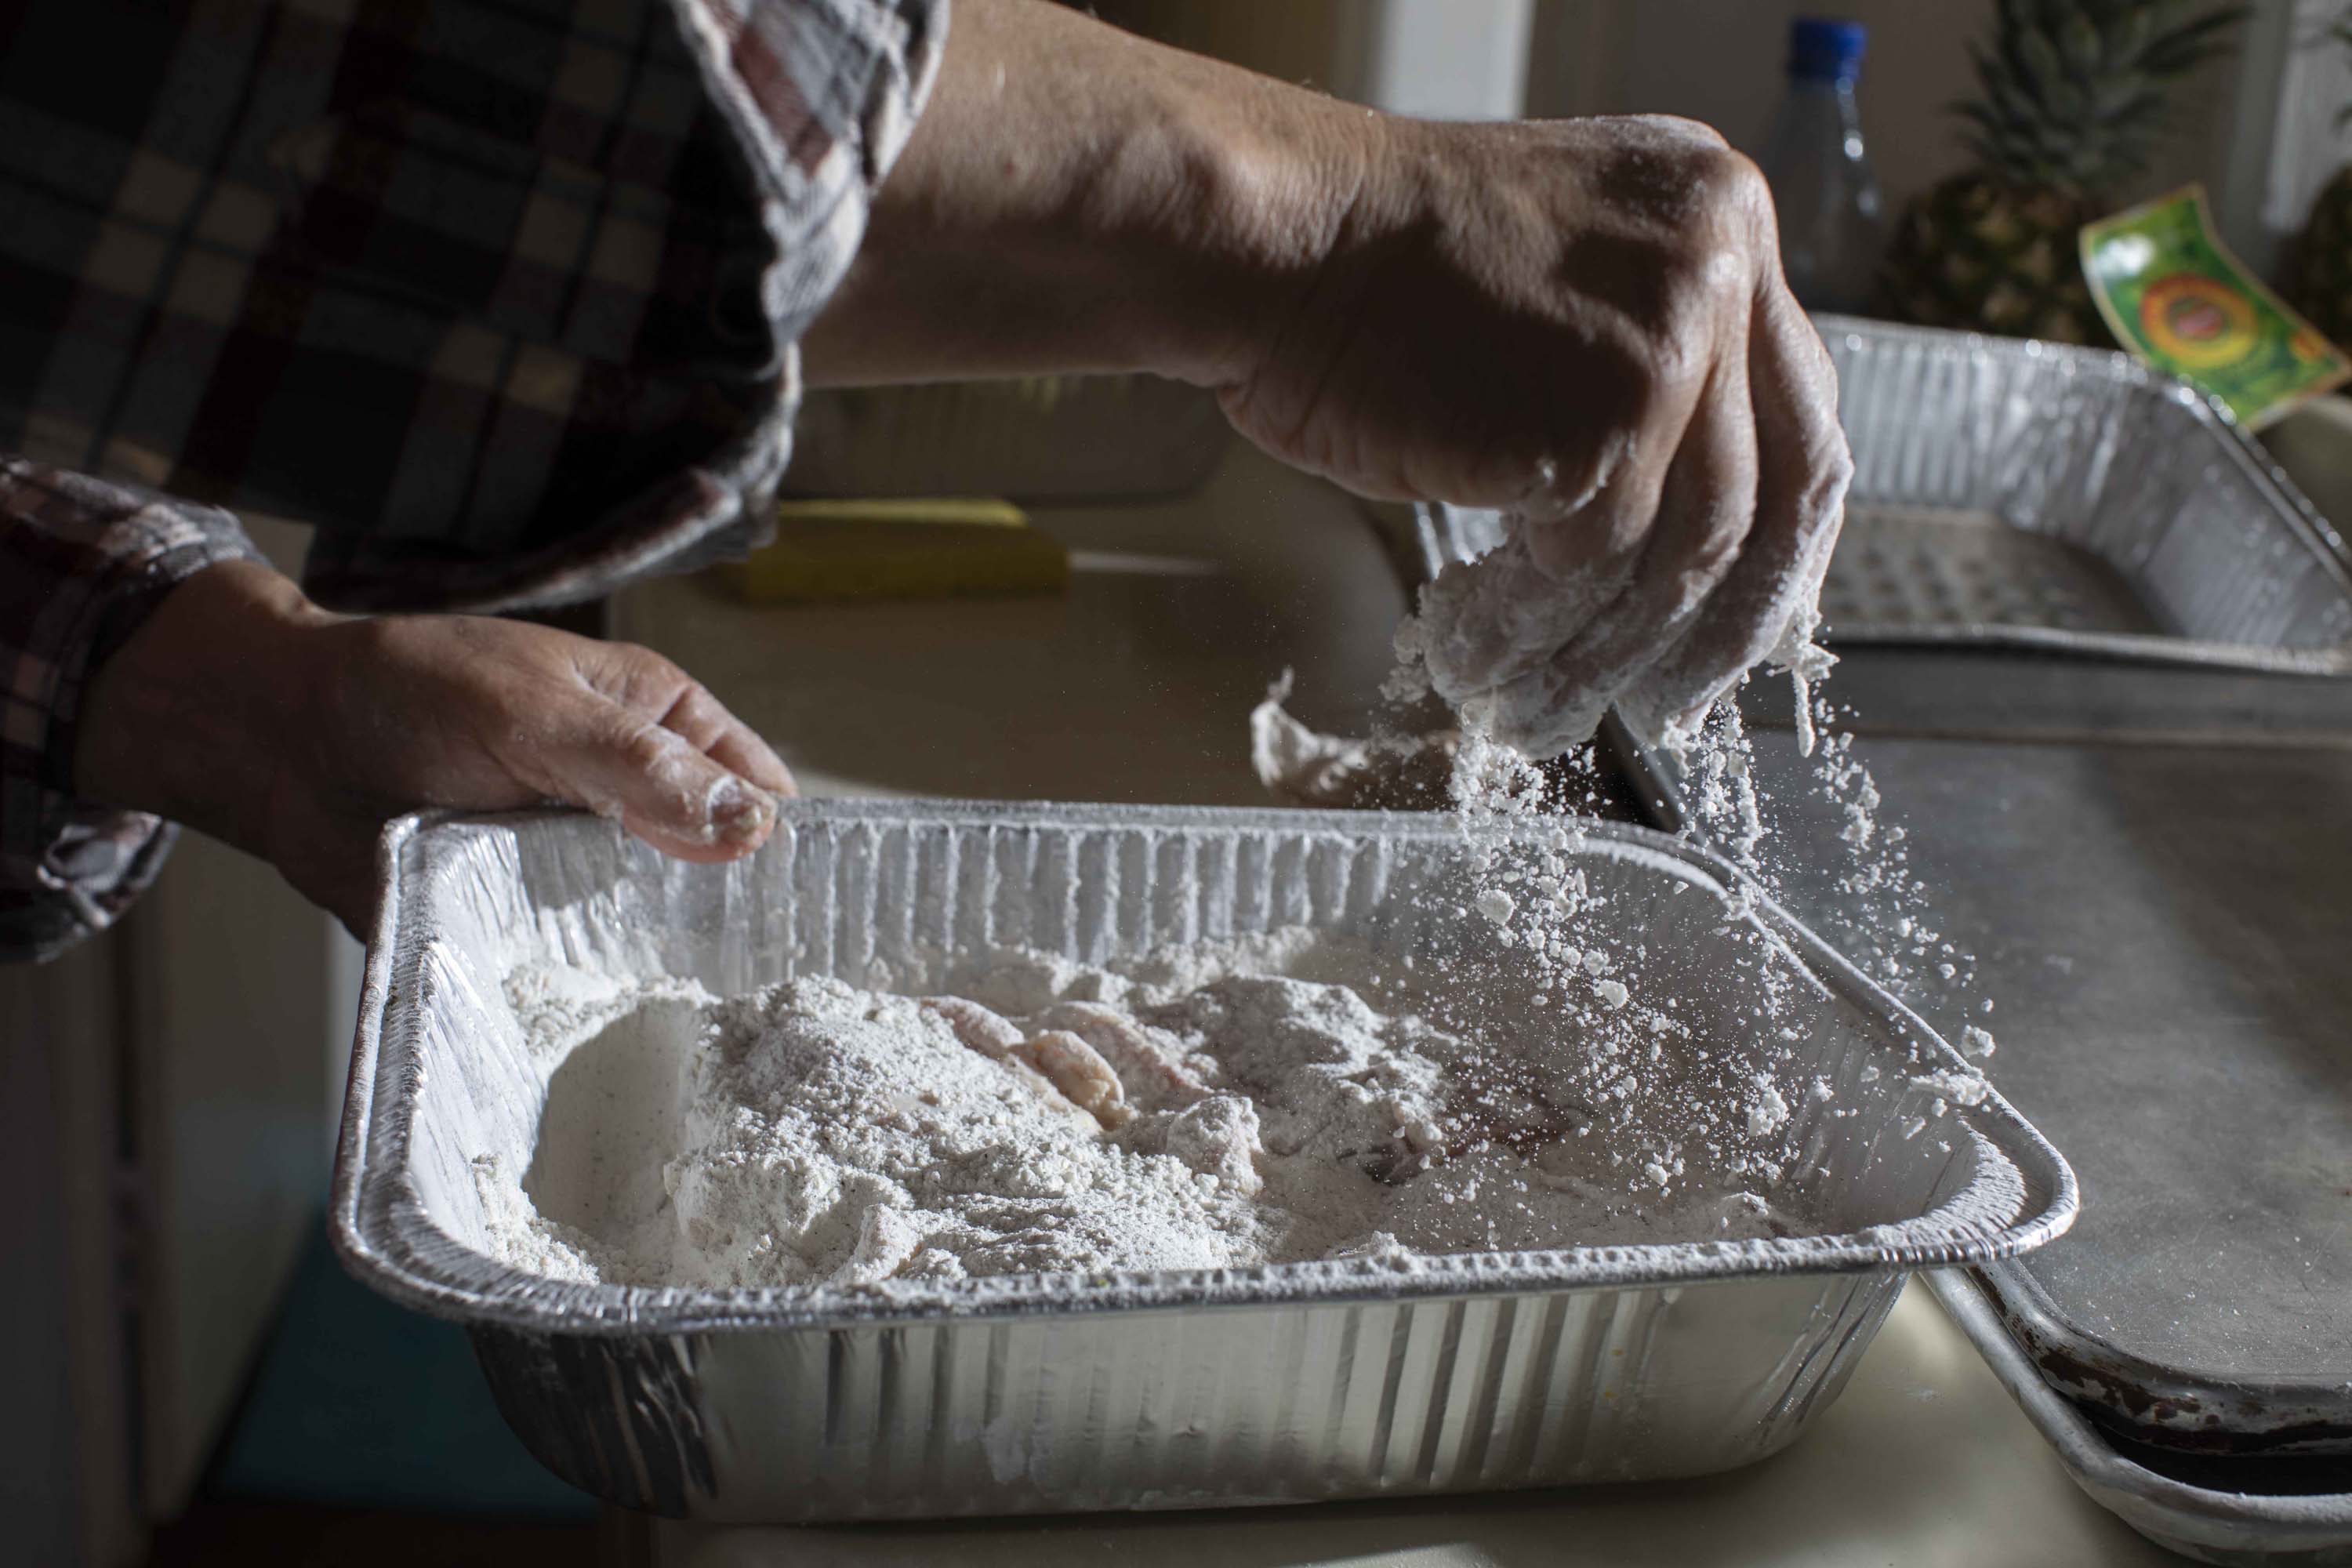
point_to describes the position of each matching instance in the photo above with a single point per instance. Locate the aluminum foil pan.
(2237, 1526)
(1297, 1382)
(2027, 495)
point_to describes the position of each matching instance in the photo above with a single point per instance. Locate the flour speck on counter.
(1210, 1108)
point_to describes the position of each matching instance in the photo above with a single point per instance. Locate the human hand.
(242, 710)
(1583, 323)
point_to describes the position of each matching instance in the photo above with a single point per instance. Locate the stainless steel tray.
(2166, 932)
(2009, 494)
(1293, 1383)
(2236, 1527)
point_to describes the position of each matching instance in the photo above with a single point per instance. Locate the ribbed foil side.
(1298, 1405)
(2227, 561)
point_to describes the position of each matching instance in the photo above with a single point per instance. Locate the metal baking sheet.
(2009, 494)
(2164, 930)
(2236, 1526)
(1299, 1381)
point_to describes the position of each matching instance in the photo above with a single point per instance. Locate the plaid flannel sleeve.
(816, 99)
(81, 563)
(504, 299)
(822, 95)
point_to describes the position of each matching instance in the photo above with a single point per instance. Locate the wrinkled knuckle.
(646, 748)
(1675, 362)
(1719, 542)
(646, 662)
(1738, 203)
(1828, 471)
(1830, 461)
(1739, 185)
(1710, 276)
(688, 697)
(641, 672)
(1838, 467)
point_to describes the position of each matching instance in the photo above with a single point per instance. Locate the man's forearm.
(198, 715)
(1078, 199)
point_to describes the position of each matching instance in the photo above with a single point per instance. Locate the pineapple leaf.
(2039, 57)
(2078, 42)
(2119, 99)
(2072, 103)
(2071, 93)
(1982, 150)
(2128, 40)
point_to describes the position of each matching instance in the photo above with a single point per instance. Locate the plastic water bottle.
(1832, 222)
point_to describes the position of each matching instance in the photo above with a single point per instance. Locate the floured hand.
(1582, 323)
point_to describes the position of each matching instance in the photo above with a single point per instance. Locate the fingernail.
(742, 814)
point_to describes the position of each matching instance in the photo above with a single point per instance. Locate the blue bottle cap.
(1827, 51)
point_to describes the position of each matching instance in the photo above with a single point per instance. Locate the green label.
(2173, 292)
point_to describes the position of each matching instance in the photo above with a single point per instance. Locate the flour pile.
(1198, 1110)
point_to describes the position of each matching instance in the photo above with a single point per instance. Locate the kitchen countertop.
(1136, 686)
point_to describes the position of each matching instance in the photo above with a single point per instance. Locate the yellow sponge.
(829, 551)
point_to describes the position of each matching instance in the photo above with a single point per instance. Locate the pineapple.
(2322, 287)
(2073, 101)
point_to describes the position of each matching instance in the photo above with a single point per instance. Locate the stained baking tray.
(1299, 1381)
(2250, 1521)
(2019, 495)
(2165, 929)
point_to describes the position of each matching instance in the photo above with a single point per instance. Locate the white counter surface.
(1136, 686)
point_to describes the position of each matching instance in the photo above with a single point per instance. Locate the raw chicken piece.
(1078, 1071)
(994, 1036)
(984, 1029)
(1142, 1063)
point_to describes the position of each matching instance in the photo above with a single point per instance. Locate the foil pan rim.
(381, 1231)
(2135, 647)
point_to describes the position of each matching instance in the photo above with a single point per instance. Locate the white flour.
(1484, 638)
(1199, 1110)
